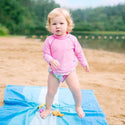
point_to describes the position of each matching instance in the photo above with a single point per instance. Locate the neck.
(61, 37)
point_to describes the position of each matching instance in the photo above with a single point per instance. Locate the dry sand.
(21, 63)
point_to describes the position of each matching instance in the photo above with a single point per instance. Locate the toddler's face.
(58, 26)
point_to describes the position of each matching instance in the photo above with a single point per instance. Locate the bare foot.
(80, 112)
(45, 113)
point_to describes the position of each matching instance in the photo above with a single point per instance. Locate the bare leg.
(73, 83)
(53, 85)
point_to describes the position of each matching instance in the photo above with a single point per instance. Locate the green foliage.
(3, 30)
(100, 19)
(25, 16)
(28, 17)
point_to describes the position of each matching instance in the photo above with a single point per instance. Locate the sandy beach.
(21, 63)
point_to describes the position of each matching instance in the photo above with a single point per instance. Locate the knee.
(74, 89)
(51, 93)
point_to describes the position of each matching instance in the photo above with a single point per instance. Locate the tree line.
(100, 19)
(26, 17)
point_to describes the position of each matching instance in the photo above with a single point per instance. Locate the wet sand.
(21, 63)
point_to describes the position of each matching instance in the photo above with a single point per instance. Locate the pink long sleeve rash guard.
(66, 50)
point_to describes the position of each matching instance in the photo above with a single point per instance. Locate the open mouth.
(57, 31)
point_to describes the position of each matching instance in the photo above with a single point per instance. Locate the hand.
(86, 68)
(54, 64)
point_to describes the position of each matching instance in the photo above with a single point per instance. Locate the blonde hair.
(57, 12)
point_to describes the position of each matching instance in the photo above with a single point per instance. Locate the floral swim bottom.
(60, 77)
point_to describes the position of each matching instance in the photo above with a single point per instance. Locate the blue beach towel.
(21, 107)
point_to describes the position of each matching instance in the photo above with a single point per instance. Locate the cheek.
(52, 28)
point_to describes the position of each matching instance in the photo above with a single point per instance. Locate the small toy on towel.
(57, 113)
(41, 110)
(41, 105)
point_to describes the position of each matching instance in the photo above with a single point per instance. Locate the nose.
(57, 26)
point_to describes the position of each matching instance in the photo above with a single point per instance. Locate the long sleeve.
(66, 50)
(47, 50)
(79, 53)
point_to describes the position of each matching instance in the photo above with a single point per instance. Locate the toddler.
(62, 52)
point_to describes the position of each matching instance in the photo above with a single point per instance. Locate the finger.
(87, 69)
(57, 63)
(54, 67)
